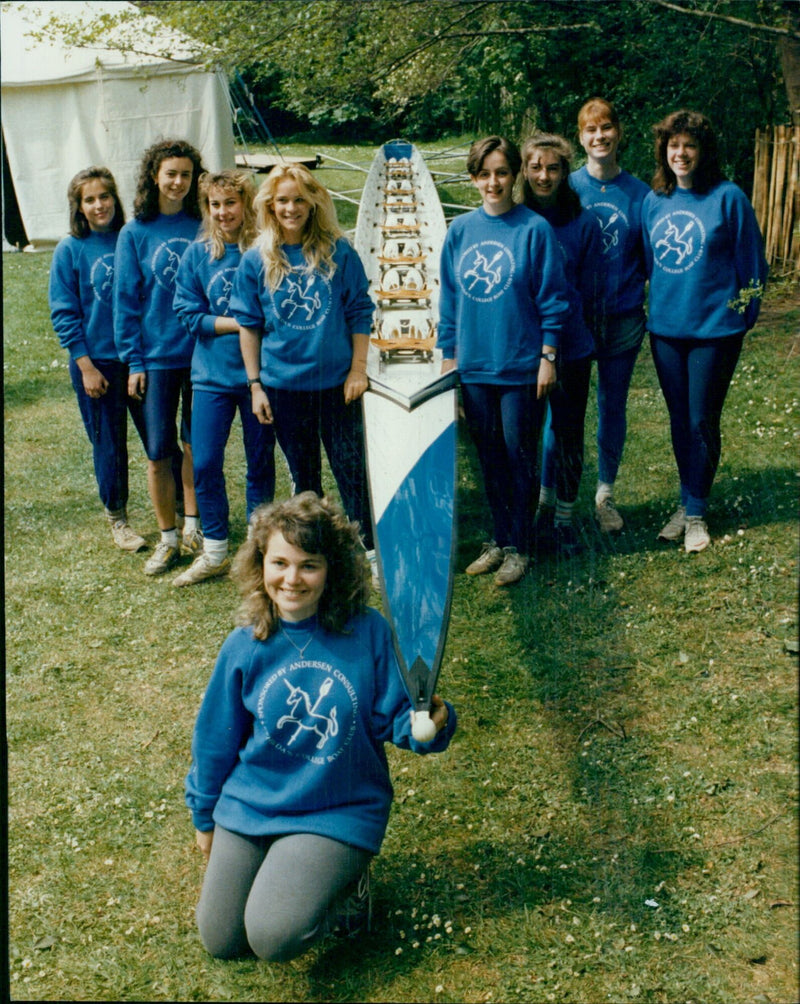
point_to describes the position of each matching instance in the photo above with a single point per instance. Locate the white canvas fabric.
(66, 108)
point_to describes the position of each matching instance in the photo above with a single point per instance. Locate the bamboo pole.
(788, 200)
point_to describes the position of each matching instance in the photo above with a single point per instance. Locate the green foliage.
(424, 67)
(753, 291)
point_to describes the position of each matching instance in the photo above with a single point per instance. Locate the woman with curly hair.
(219, 381)
(289, 786)
(301, 298)
(81, 280)
(150, 337)
(707, 273)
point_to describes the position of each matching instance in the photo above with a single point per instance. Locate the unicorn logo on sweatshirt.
(614, 225)
(165, 261)
(308, 710)
(306, 716)
(485, 271)
(219, 290)
(305, 300)
(102, 278)
(678, 241)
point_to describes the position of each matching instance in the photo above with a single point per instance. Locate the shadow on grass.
(501, 886)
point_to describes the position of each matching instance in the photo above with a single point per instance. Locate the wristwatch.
(250, 382)
(549, 356)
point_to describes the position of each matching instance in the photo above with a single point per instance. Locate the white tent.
(66, 107)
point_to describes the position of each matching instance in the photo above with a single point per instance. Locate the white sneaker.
(675, 525)
(125, 537)
(162, 559)
(192, 542)
(696, 537)
(607, 516)
(201, 569)
(513, 568)
(489, 560)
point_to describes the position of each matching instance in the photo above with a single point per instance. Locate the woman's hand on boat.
(448, 365)
(355, 385)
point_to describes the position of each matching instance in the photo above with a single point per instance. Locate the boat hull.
(410, 412)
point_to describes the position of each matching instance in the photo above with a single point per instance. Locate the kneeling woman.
(707, 272)
(289, 786)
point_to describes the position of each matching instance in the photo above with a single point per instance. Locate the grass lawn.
(615, 820)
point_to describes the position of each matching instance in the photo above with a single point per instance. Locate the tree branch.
(739, 22)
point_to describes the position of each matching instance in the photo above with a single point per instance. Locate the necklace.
(293, 643)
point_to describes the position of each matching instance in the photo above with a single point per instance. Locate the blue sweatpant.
(213, 413)
(695, 374)
(562, 440)
(105, 419)
(504, 423)
(303, 418)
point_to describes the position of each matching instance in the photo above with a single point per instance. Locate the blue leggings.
(695, 375)
(562, 442)
(504, 423)
(303, 418)
(272, 895)
(614, 375)
(105, 419)
(212, 416)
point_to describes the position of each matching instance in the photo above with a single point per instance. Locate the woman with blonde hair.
(219, 381)
(302, 302)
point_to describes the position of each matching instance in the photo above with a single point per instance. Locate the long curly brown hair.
(145, 202)
(317, 526)
(78, 224)
(699, 127)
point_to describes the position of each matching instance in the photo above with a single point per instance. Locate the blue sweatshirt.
(81, 278)
(147, 331)
(286, 743)
(702, 250)
(203, 290)
(309, 321)
(503, 295)
(617, 204)
(582, 247)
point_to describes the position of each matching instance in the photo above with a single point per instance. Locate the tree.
(474, 66)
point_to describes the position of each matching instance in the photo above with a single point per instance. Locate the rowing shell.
(409, 416)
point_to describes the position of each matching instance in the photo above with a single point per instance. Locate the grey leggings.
(271, 895)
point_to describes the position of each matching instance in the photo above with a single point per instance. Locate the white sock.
(604, 491)
(547, 496)
(170, 537)
(215, 550)
(190, 524)
(563, 513)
